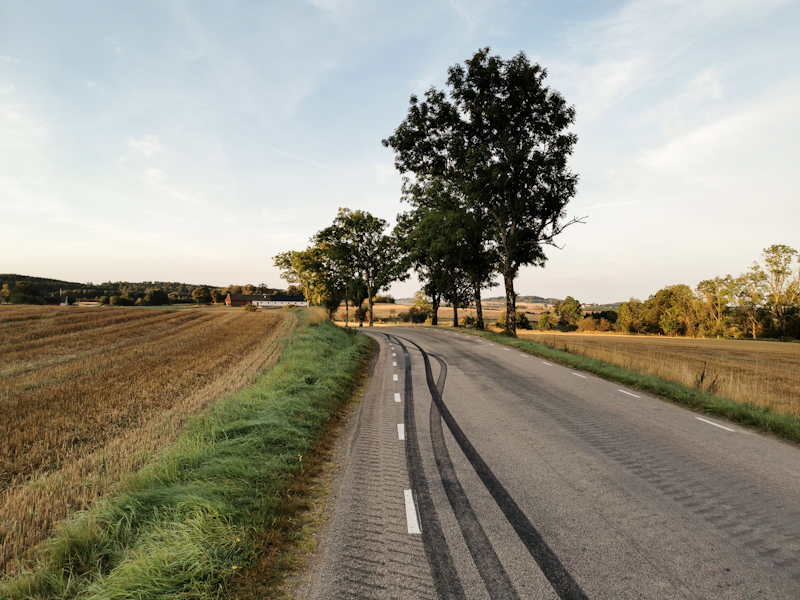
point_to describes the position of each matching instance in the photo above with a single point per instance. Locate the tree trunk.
(511, 302)
(369, 302)
(455, 315)
(346, 311)
(478, 308)
(435, 311)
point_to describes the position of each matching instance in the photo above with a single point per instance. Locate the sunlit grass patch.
(188, 524)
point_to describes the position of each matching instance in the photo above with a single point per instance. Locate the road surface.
(472, 470)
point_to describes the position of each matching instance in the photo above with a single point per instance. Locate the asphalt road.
(474, 471)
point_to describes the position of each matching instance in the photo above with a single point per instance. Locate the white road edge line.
(629, 394)
(394, 377)
(491, 344)
(394, 363)
(397, 397)
(394, 353)
(579, 375)
(507, 349)
(521, 354)
(401, 431)
(547, 363)
(411, 513)
(716, 425)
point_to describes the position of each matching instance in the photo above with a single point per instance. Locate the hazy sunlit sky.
(193, 140)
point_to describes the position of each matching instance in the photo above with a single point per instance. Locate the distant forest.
(23, 289)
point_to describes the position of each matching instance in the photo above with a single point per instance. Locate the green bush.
(545, 322)
(415, 314)
(522, 321)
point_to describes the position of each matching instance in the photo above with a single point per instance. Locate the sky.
(192, 141)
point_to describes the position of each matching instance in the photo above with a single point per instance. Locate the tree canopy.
(501, 138)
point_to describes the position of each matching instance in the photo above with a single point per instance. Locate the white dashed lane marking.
(579, 375)
(394, 363)
(547, 363)
(411, 513)
(397, 396)
(716, 424)
(629, 394)
(394, 377)
(401, 431)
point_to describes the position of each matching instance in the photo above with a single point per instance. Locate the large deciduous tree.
(501, 137)
(715, 295)
(301, 268)
(373, 256)
(781, 283)
(457, 234)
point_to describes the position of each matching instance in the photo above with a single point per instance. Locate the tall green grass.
(785, 426)
(187, 524)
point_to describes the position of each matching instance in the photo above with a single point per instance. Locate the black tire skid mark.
(551, 566)
(491, 570)
(445, 577)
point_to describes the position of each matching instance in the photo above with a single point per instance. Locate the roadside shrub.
(470, 320)
(522, 321)
(251, 308)
(545, 322)
(415, 314)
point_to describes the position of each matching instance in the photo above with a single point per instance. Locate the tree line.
(764, 301)
(20, 289)
(485, 172)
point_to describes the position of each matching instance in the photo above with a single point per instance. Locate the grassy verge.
(193, 522)
(784, 426)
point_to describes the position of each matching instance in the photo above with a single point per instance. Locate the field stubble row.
(764, 374)
(87, 395)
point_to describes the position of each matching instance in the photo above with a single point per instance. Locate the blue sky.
(192, 141)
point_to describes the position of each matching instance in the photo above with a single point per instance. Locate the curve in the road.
(553, 569)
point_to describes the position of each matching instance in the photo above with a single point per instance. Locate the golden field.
(87, 395)
(765, 374)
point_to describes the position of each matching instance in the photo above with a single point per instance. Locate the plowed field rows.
(88, 394)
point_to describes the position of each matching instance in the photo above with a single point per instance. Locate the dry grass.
(87, 395)
(765, 374)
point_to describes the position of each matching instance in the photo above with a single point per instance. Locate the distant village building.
(265, 300)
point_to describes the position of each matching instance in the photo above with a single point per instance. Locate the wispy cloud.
(311, 162)
(113, 41)
(144, 146)
(335, 6)
(9, 59)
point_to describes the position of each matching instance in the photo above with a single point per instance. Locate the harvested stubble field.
(765, 374)
(87, 395)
